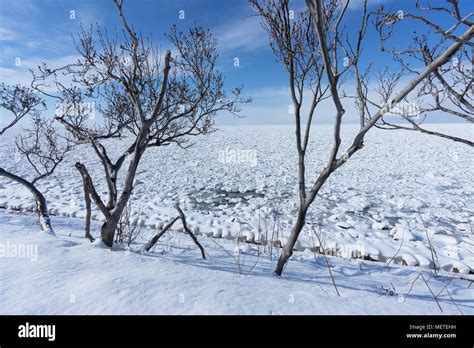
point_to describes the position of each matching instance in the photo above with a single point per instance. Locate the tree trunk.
(41, 206)
(112, 201)
(107, 231)
(87, 200)
(295, 232)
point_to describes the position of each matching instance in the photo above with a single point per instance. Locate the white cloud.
(243, 34)
(270, 93)
(7, 34)
(357, 4)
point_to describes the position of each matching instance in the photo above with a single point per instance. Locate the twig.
(181, 216)
(449, 294)
(424, 279)
(399, 248)
(433, 252)
(326, 258)
(188, 231)
(154, 240)
(229, 253)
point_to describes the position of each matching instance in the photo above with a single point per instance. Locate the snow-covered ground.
(398, 194)
(69, 275)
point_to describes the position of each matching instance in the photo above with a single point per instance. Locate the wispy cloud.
(242, 34)
(357, 4)
(270, 93)
(7, 34)
(32, 29)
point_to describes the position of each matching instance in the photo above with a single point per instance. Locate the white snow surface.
(401, 193)
(69, 275)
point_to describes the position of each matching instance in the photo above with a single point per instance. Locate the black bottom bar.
(242, 330)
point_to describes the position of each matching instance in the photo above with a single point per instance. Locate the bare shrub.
(127, 231)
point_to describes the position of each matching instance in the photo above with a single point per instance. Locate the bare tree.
(142, 98)
(449, 88)
(42, 145)
(331, 43)
(294, 44)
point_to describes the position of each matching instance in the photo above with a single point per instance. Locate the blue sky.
(36, 31)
